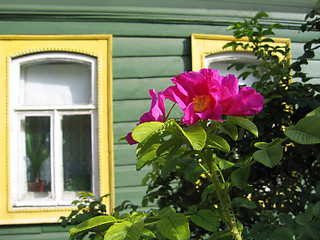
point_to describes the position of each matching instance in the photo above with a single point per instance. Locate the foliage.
(223, 180)
(285, 103)
(199, 144)
(312, 24)
(273, 225)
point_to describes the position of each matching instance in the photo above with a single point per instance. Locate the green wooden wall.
(150, 46)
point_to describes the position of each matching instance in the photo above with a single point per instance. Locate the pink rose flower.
(207, 95)
(192, 92)
(156, 113)
(246, 102)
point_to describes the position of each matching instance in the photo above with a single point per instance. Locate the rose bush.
(214, 108)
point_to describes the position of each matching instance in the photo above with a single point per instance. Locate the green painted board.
(124, 154)
(143, 46)
(138, 88)
(128, 176)
(146, 67)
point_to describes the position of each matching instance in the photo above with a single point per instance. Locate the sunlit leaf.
(217, 142)
(124, 231)
(174, 227)
(143, 130)
(306, 131)
(206, 219)
(245, 123)
(196, 135)
(90, 224)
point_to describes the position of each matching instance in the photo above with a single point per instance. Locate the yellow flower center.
(201, 103)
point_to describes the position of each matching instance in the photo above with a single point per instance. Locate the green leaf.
(270, 156)
(224, 164)
(90, 224)
(306, 131)
(315, 112)
(168, 145)
(282, 233)
(147, 157)
(206, 219)
(230, 129)
(147, 233)
(316, 209)
(217, 142)
(196, 135)
(243, 202)
(166, 212)
(143, 130)
(208, 190)
(244, 123)
(124, 231)
(174, 227)
(261, 145)
(240, 176)
(171, 163)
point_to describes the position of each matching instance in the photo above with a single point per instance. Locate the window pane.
(37, 139)
(77, 154)
(56, 83)
(223, 70)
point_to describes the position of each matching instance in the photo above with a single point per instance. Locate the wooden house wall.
(146, 54)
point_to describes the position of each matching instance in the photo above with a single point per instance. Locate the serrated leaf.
(240, 176)
(306, 131)
(217, 142)
(174, 227)
(245, 123)
(230, 129)
(124, 231)
(206, 219)
(269, 156)
(90, 224)
(143, 130)
(243, 202)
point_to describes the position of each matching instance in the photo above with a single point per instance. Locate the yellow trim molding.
(203, 45)
(99, 46)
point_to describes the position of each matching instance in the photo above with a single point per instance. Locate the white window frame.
(18, 111)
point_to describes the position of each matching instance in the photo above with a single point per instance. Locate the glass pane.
(77, 163)
(223, 70)
(56, 83)
(37, 138)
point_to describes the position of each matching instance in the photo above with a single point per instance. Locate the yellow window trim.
(203, 45)
(99, 46)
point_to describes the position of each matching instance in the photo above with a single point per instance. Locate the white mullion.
(95, 154)
(57, 162)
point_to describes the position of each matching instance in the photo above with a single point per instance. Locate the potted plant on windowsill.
(37, 153)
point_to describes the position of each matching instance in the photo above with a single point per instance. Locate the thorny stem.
(228, 216)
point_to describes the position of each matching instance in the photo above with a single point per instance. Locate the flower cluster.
(204, 95)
